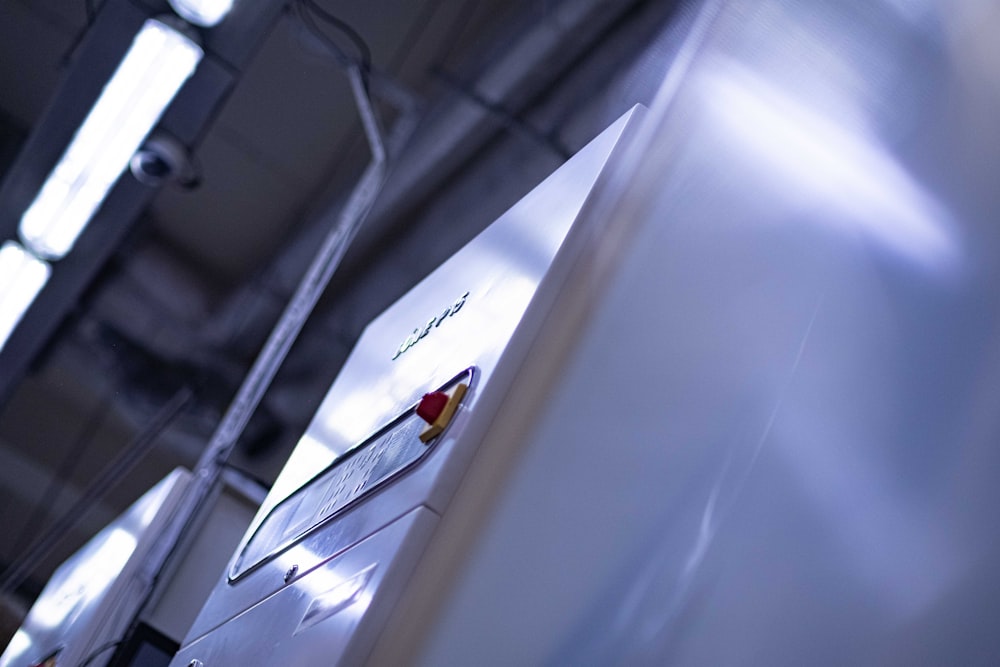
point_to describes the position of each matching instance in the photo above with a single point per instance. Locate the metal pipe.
(211, 463)
(308, 292)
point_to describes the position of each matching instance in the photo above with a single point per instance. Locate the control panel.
(360, 472)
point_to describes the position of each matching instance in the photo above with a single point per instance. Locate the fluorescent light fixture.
(22, 277)
(159, 61)
(205, 13)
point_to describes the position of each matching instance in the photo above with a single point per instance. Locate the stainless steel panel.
(766, 431)
(331, 614)
(479, 309)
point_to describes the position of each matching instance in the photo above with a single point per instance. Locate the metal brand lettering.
(421, 332)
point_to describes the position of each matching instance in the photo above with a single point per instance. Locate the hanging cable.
(60, 479)
(309, 11)
(23, 565)
(510, 120)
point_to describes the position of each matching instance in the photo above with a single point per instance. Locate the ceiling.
(288, 132)
(186, 298)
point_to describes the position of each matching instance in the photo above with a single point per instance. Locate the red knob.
(431, 406)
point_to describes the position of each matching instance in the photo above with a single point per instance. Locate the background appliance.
(94, 610)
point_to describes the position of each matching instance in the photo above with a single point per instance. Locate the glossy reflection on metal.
(827, 163)
(336, 599)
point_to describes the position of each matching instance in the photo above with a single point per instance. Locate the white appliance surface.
(91, 599)
(324, 561)
(761, 426)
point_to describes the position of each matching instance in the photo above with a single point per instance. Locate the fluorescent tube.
(22, 277)
(205, 13)
(156, 65)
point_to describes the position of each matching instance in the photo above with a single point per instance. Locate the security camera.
(161, 160)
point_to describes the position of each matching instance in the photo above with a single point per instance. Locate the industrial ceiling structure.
(178, 298)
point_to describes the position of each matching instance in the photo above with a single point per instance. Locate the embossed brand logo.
(420, 332)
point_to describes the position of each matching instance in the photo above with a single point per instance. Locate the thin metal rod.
(212, 461)
(311, 287)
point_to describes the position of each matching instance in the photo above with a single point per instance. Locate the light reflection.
(867, 190)
(149, 505)
(84, 579)
(326, 580)
(19, 643)
(495, 305)
(338, 599)
(351, 421)
(499, 270)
